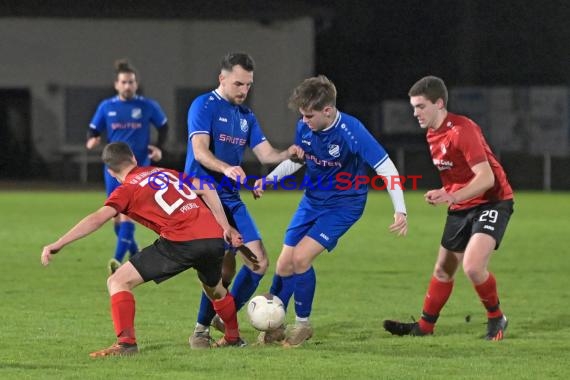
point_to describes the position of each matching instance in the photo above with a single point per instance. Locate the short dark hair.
(240, 59)
(313, 94)
(117, 156)
(123, 66)
(431, 87)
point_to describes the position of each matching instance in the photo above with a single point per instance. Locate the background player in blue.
(337, 148)
(219, 130)
(126, 118)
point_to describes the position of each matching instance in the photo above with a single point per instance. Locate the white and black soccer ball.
(266, 312)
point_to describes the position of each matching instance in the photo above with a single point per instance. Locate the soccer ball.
(266, 312)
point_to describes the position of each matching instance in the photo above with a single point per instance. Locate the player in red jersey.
(480, 201)
(192, 226)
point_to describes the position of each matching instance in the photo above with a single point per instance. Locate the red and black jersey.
(158, 199)
(455, 147)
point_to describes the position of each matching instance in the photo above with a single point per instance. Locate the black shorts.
(489, 218)
(165, 259)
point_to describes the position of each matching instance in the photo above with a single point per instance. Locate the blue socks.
(283, 288)
(245, 284)
(206, 312)
(125, 239)
(305, 284)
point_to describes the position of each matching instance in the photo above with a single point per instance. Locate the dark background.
(376, 49)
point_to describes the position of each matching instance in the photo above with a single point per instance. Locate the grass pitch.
(53, 317)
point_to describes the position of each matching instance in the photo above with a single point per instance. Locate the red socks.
(226, 309)
(123, 313)
(488, 295)
(437, 295)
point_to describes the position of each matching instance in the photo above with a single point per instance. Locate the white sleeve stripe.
(198, 133)
(92, 126)
(380, 162)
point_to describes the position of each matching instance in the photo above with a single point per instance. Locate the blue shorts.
(324, 224)
(240, 219)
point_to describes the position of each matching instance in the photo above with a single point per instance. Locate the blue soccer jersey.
(231, 128)
(335, 157)
(129, 121)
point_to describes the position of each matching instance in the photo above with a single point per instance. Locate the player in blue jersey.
(126, 118)
(337, 152)
(220, 128)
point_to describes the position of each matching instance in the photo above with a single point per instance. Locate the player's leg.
(210, 257)
(224, 305)
(305, 280)
(206, 313)
(476, 260)
(119, 285)
(488, 230)
(324, 233)
(150, 264)
(126, 239)
(283, 283)
(455, 237)
(248, 277)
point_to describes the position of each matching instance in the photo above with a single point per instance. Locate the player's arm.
(267, 154)
(212, 200)
(155, 151)
(89, 224)
(93, 140)
(482, 181)
(284, 169)
(96, 125)
(203, 154)
(389, 172)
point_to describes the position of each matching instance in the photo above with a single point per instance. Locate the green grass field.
(53, 317)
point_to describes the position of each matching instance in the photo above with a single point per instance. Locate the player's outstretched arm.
(285, 168)
(89, 224)
(203, 154)
(389, 172)
(267, 154)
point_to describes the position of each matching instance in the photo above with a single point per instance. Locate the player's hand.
(259, 187)
(236, 173)
(92, 142)
(400, 224)
(439, 196)
(233, 237)
(154, 153)
(296, 153)
(48, 251)
(249, 256)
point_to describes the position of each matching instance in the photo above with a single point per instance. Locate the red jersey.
(455, 147)
(164, 204)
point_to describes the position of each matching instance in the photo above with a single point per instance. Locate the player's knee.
(263, 264)
(301, 263)
(442, 274)
(474, 273)
(115, 284)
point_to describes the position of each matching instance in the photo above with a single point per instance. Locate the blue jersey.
(129, 121)
(231, 129)
(335, 157)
